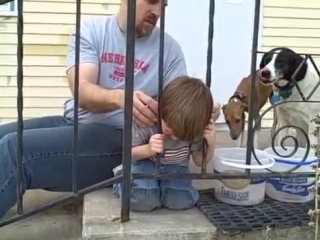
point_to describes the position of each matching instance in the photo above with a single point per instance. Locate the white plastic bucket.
(244, 192)
(294, 190)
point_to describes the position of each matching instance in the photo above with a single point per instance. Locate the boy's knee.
(145, 195)
(179, 199)
(145, 192)
(145, 200)
(178, 194)
(143, 166)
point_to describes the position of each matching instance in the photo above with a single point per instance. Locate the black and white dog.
(281, 64)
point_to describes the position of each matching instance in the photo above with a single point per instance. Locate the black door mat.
(231, 219)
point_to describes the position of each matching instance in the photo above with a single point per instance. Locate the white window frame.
(9, 9)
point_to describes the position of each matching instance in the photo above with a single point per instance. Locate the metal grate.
(232, 219)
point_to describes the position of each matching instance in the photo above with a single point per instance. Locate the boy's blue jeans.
(149, 194)
(48, 154)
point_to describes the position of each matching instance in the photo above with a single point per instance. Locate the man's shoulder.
(97, 22)
(170, 41)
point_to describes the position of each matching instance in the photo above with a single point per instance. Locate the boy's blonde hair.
(186, 107)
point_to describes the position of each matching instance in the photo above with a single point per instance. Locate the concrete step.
(102, 210)
(297, 233)
(101, 222)
(59, 223)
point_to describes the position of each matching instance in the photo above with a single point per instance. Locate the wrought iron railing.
(127, 176)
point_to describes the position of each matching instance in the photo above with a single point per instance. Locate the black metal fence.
(127, 176)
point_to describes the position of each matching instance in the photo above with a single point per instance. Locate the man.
(48, 141)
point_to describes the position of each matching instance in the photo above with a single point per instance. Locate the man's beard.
(146, 26)
(144, 30)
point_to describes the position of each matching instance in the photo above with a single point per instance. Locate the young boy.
(185, 109)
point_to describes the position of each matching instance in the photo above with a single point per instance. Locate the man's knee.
(8, 156)
(8, 128)
(8, 146)
(34, 123)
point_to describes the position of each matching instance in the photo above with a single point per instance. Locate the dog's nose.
(265, 73)
(233, 136)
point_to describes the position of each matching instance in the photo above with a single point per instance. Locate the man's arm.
(176, 64)
(91, 96)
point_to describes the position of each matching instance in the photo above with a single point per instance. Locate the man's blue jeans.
(48, 153)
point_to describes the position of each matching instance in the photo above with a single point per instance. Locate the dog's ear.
(297, 60)
(224, 107)
(266, 58)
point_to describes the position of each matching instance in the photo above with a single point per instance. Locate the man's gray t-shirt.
(103, 43)
(175, 151)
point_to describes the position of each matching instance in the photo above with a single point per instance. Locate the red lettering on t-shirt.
(118, 60)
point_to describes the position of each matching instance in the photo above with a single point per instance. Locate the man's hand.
(145, 109)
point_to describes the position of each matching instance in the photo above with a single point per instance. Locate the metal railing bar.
(20, 106)
(314, 64)
(62, 200)
(208, 71)
(210, 43)
(221, 175)
(253, 79)
(318, 73)
(160, 75)
(294, 75)
(76, 100)
(127, 131)
(37, 210)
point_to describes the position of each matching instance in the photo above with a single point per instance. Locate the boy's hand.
(215, 111)
(210, 134)
(156, 144)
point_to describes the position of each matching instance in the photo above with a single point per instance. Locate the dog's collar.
(237, 95)
(274, 98)
(289, 85)
(284, 92)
